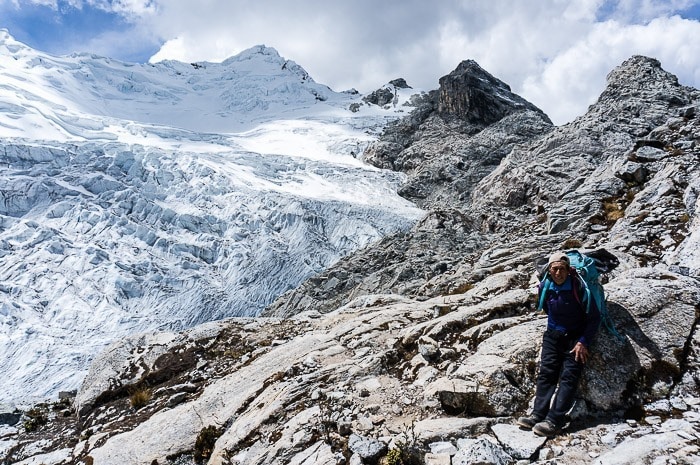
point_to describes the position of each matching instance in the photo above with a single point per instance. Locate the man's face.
(559, 271)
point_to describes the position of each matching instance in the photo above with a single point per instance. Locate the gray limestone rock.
(648, 154)
(367, 448)
(9, 415)
(503, 368)
(437, 459)
(632, 172)
(635, 450)
(519, 444)
(655, 312)
(440, 429)
(443, 447)
(318, 454)
(480, 451)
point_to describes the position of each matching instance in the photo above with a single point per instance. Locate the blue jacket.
(566, 312)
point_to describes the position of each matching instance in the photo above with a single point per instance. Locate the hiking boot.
(528, 422)
(545, 428)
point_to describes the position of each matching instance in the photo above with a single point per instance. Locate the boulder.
(9, 415)
(518, 443)
(480, 451)
(319, 453)
(503, 369)
(441, 429)
(635, 450)
(655, 311)
(366, 448)
(437, 459)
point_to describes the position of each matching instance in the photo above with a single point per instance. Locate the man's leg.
(550, 366)
(568, 383)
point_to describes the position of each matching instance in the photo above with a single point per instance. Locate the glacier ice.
(136, 198)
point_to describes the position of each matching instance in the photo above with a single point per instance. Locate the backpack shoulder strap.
(545, 284)
(579, 285)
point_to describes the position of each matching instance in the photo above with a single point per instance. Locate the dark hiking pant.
(557, 365)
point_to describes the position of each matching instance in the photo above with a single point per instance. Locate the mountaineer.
(572, 321)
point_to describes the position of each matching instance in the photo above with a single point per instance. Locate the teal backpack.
(588, 267)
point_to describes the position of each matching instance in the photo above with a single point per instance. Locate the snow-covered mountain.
(136, 197)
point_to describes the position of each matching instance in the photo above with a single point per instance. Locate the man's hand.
(580, 353)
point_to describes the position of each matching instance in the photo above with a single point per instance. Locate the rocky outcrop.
(577, 180)
(423, 347)
(387, 94)
(623, 176)
(582, 175)
(457, 136)
(470, 94)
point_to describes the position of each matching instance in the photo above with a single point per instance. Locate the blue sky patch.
(69, 29)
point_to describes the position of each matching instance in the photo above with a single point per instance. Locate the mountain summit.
(54, 94)
(471, 94)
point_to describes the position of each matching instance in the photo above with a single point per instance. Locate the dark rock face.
(456, 136)
(400, 83)
(471, 94)
(381, 97)
(8, 415)
(386, 95)
(400, 134)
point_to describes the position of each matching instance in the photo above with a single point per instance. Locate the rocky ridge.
(421, 348)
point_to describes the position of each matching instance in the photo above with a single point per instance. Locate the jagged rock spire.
(472, 94)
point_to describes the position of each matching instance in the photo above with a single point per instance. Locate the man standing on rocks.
(571, 326)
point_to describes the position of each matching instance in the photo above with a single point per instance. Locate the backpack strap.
(546, 283)
(578, 285)
(575, 284)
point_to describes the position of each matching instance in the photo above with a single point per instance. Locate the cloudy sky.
(555, 53)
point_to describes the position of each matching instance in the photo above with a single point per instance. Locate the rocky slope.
(423, 347)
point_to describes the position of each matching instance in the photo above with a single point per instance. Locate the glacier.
(147, 197)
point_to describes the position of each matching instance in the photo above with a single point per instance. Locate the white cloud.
(127, 44)
(129, 9)
(173, 49)
(53, 4)
(125, 8)
(576, 76)
(647, 10)
(555, 53)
